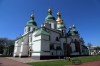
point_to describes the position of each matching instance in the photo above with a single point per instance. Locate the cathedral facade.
(50, 40)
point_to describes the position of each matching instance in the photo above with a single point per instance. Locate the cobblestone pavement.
(9, 62)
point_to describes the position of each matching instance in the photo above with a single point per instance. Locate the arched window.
(62, 32)
(50, 25)
(57, 39)
(28, 28)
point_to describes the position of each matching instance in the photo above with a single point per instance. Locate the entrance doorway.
(65, 49)
(69, 49)
(30, 51)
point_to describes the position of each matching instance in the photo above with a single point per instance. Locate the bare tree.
(3, 43)
(89, 47)
(97, 48)
(6, 43)
(10, 47)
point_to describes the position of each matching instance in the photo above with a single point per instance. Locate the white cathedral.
(50, 41)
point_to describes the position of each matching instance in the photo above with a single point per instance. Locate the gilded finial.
(58, 14)
(32, 16)
(49, 10)
(59, 20)
(49, 6)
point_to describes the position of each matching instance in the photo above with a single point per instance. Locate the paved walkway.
(9, 62)
(26, 60)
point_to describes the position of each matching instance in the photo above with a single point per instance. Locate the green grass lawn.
(65, 62)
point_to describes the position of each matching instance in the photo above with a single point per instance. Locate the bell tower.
(31, 24)
(60, 25)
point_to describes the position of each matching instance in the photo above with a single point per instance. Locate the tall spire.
(59, 20)
(32, 16)
(49, 11)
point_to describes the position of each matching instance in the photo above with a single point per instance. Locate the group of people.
(95, 54)
(68, 58)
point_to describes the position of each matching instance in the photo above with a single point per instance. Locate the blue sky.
(85, 14)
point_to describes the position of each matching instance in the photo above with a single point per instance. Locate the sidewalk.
(9, 62)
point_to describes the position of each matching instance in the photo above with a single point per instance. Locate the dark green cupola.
(72, 31)
(49, 17)
(31, 21)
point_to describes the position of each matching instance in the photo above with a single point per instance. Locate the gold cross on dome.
(49, 6)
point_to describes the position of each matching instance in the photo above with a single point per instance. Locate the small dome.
(60, 26)
(75, 31)
(32, 22)
(49, 17)
(59, 20)
(72, 32)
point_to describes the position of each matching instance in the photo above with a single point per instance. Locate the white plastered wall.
(17, 47)
(24, 47)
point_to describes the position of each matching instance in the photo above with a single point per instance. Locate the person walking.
(69, 58)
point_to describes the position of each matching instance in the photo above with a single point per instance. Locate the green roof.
(32, 22)
(23, 36)
(41, 31)
(60, 26)
(49, 17)
(72, 32)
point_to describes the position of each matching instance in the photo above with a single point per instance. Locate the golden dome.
(32, 16)
(59, 20)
